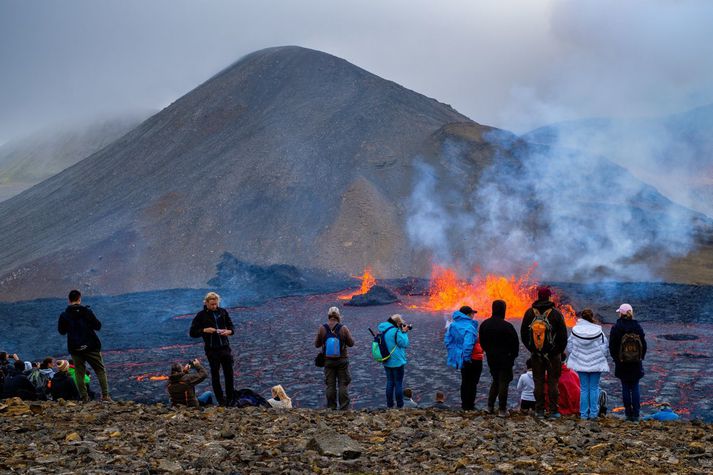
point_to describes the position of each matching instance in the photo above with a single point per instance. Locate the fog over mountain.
(298, 157)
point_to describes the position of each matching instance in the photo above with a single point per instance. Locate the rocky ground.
(127, 437)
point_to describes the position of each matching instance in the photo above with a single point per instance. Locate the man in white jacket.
(587, 348)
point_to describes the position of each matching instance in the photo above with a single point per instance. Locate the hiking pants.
(470, 377)
(94, 358)
(221, 358)
(499, 387)
(337, 371)
(550, 368)
(632, 398)
(589, 394)
(395, 384)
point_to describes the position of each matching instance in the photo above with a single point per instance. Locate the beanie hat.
(63, 365)
(543, 293)
(466, 310)
(334, 313)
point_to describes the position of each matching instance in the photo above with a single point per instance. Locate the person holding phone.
(214, 325)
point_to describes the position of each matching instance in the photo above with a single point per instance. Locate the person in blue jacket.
(395, 332)
(460, 338)
(665, 414)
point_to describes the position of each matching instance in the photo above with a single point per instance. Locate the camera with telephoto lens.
(406, 326)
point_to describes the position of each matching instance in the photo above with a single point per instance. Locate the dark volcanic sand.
(274, 345)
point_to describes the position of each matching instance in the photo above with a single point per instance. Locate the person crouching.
(182, 384)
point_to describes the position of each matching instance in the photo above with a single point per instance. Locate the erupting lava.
(146, 377)
(448, 292)
(367, 282)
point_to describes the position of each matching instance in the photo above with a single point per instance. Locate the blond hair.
(397, 319)
(334, 313)
(279, 392)
(211, 296)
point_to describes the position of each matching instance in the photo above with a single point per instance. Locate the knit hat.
(466, 310)
(625, 308)
(63, 365)
(543, 293)
(334, 313)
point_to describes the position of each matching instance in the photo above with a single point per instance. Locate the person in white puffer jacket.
(587, 347)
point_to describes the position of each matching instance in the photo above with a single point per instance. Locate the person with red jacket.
(569, 391)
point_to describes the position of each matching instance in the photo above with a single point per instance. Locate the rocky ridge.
(127, 437)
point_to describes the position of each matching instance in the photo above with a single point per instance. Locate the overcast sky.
(512, 64)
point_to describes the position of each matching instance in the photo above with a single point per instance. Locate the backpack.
(332, 342)
(379, 350)
(630, 350)
(248, 398)
(541, 330)
(39, 380)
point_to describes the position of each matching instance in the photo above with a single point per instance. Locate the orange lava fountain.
(448, 293)
(367, 282)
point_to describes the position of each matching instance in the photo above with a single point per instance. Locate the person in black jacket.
(546, 362)
(213, 324)
(62, 385)
(501, 346)
(80, 325)
(18, 384)
(629, 372)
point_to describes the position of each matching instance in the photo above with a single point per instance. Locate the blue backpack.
(332, 342)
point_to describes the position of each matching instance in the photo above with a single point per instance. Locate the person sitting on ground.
(501, 345)
(6, 368)
(18, 385)
(62, 385)
(279, 399)
(182, 384)
(40, 376)
(408, 399)
(569, 390)
(664, 414)
(440, 402)
(526, 386)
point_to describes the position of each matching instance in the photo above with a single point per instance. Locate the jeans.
(221, 358)
(470, 377)
(499, 387)
(632, 398)
(589, 394)
(94, 358)
(552, 368)
(207, 398)
(395, 384)
(337, 371)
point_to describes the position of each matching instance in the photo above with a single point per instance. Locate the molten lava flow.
(149, 377)
(367, 282)
(448, 292)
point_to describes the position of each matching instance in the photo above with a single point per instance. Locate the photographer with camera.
(395, 332)
(182, 384)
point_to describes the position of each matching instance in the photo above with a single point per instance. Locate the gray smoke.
(575, 215)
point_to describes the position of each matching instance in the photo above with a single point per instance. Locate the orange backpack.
(541, 330)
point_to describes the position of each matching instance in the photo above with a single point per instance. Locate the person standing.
(460, 338)
(544, 334)
(587, 349)
(627, 346)
(80, 325)
(395, 333)
(214, 325)
(336, 368)
(501, 345)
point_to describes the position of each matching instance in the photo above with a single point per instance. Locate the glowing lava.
(147, 377)
(448, 292)
(367, 282)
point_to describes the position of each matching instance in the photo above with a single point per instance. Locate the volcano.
(289, 156)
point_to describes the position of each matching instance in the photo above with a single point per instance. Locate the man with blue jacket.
(395, 332)
(460, 338)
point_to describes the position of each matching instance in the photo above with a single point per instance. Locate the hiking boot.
(540, 414)
(491, 409)
(554, 415)
(107, 399)
(502, 413)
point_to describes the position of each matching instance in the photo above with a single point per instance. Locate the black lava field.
(144, 333)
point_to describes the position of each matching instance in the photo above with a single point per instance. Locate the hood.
(585, 329)
(47, 371)
(543, 305)
(460, 316)
(499, 307)
(383, 326)
(175, 377)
